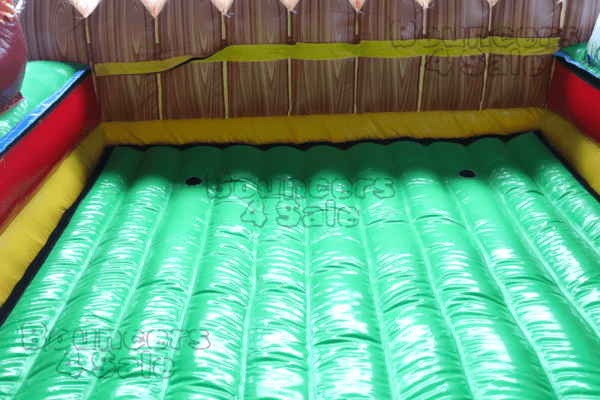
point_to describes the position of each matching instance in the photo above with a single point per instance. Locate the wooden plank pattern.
(54, 30)
(193, 91)
(517, 81)
(458, 19)
(453, 83)
(126, 38)
(257, 22)
(322, 87)
(534, 18)
(391, 20)
(388, 85)
(128, 97)
(123, 31)
(324, 21)
(258, 89)
(189, 27)
(580, 19)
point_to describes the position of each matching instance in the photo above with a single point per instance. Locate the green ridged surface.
(412, 282)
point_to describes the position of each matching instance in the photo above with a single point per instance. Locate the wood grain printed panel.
(189, 27)
(391, 20)
(323, 87)
(580, 19)
(534, 18)
(54, 30)
(453, 83)
(257, 22)
(258, 89)
(193, 91)
(517, 81)
(128, 97)
(388, 85)
(458, 19)
(324, 21)
(121, 31)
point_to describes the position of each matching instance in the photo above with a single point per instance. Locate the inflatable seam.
(507, 298)
(440, 307)
(196, 265)
(143, 258)
(517, 224)
(384, 337)
(248, 317)
(312, 379)
(558, 208)
(72, 288)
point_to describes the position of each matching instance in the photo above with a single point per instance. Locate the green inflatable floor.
(395, 272)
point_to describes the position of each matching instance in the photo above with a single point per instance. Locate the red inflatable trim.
(30, 160)
(575, 100)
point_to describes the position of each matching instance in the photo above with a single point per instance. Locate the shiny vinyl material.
(13, 57)
(44, 83)
(378, 272)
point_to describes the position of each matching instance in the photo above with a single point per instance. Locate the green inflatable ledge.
(577, 54)
(42, 80)
(397, 271)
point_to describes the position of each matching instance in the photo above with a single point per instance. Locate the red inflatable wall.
(575, 100)
(30, 160)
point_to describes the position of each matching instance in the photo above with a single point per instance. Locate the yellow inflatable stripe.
(337, 51)
(581, 151)
(324, 128)
(25, 236)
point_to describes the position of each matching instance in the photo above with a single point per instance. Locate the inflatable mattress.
(402, 270)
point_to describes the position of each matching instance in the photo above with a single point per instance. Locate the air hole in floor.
(193, 181)
(467, 173)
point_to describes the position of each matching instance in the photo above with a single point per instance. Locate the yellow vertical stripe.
(158, 76)
(563, 11)
(160, 96)
(91, 59)
(289, 63)
(289, 67)
(487, 63)
(356, 67)
(223, 35)
(225, 90)
(355, 85)
(225, 85)
(422, 69)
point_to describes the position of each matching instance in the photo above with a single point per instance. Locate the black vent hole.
(193, 181)
(467, 173)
